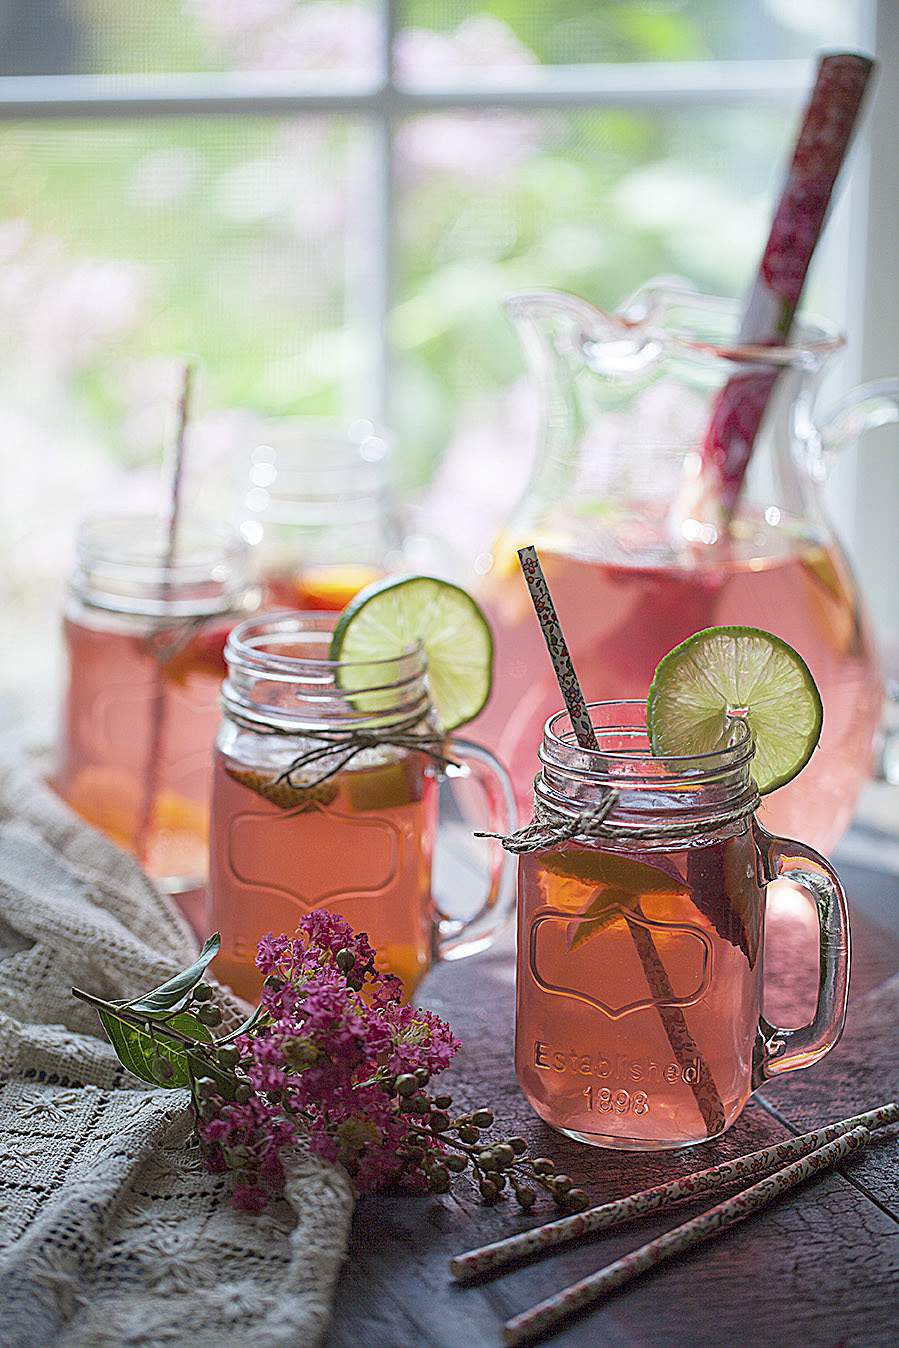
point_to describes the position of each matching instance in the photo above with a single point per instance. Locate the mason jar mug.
(641, 924)
(325, 797)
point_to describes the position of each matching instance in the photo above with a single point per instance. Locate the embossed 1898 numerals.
(605, 1101)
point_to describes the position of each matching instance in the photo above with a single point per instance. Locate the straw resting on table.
(555, 1309)
(660, 1198)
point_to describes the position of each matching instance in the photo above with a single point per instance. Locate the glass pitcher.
(635, 568)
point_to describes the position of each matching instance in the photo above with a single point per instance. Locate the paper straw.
(683, 1046)
(178, 455)
(551, 1312)
(557, 646)
(820, 149)
(660, 1198)
(158, 712)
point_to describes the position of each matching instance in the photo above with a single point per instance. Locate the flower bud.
(209, 1015)
(439, 1179)
(345, 960)
(468, 1133)
(406, 1084)
(202, 992)
(482, 1118)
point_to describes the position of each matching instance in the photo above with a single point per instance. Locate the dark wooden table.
(820, 1267)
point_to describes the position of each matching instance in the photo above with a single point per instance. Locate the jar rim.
(264, 687)
(122, 564)
(607, 764)
(244, 645)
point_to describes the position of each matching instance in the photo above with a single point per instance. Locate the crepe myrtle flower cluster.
(335, 1055)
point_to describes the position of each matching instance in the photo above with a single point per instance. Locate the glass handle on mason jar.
(458, 937)
(777, 1050)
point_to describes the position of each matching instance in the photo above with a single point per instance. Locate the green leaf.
(141, 1052)
(249, 1024)
(174, 994)
(602, 911)
(612, 869)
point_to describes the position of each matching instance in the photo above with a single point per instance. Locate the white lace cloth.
(111, 1233)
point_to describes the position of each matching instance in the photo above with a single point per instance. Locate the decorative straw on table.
(660, 1198)
(681, 1040)
(157, 717)
(820, 149)
(554, 1309)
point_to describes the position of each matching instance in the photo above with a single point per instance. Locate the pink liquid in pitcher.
(116, 688)
(638, 990)
(359, 843)
(621, 615)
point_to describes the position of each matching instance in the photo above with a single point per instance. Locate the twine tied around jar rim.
(348, 742)
(549, 828)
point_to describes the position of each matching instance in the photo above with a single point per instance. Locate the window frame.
(862, 225)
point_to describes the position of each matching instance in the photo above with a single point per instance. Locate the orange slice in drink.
(204, 655)
(384, 788)
(331, 588)
(110, 799)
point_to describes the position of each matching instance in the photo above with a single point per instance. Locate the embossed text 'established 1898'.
(617, 1068)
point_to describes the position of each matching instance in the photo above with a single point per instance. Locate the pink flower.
(249, 1198)
(323, 1059)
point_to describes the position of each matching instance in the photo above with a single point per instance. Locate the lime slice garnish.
(389, 617)
(725, 672)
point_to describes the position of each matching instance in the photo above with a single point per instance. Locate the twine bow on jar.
(549, 828)
(347, 742)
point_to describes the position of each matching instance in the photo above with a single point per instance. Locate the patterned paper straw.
(557, 646)
(158, 715)
(556, 1308)
(705, 1092)
(818, 155)
(660, 1198)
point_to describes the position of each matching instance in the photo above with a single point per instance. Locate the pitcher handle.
(779, 1051)
(861, 409)
(458, 937)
